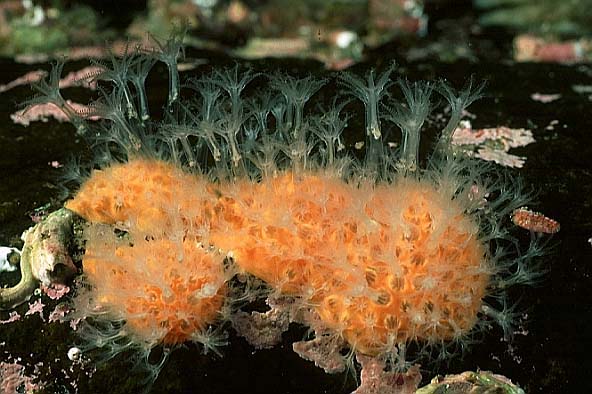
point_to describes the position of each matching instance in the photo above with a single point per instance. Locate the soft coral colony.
(375, 253)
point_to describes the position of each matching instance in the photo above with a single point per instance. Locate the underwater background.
(452, 40)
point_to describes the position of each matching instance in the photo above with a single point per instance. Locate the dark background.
(553, 357)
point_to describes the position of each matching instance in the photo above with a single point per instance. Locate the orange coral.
(380, 264)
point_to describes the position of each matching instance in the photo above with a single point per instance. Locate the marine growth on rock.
(243, 188)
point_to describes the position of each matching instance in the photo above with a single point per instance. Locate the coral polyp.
(375, 253)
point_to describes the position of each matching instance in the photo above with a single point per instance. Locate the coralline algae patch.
(144, 261)
(379, 264)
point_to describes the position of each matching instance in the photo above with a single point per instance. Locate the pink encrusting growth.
(374, 253)
(534, 221)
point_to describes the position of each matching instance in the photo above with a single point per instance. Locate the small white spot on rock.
(74, 354)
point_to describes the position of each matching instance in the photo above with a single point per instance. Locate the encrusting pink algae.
(379, 251)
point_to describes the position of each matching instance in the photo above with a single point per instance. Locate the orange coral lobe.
(155, 292)
(382, 264)
(156, 275)
(140, 193)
